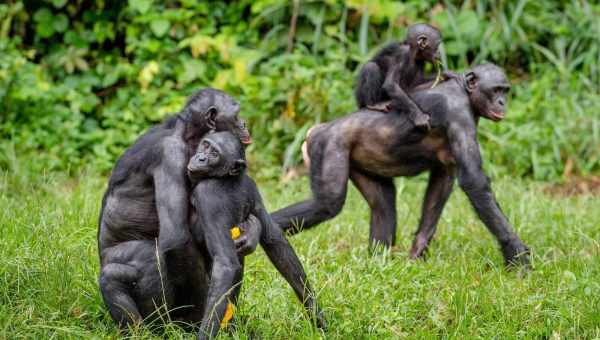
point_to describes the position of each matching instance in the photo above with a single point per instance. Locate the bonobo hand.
(248, 240)
(515, 253)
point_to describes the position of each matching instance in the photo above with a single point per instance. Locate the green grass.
(49, 267)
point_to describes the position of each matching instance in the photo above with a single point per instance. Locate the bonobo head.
(219, 154)
(487, 86)
(425, 40)
(210, 109)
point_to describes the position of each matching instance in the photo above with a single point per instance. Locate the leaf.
(59, 3)
(147, 74)
(60, 23)
(160, 27)
(141, 6)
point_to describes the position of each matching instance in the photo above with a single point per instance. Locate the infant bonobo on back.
(223, 197)
(395, 70)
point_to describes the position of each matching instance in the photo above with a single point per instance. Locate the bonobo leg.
(133, 282)
(329, 181)
(439, 188)
(369, 85)
(380, 194)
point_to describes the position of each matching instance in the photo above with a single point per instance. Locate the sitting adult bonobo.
(372, 148)
(219, 166)
(147, 199)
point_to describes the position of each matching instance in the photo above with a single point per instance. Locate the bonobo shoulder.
(173, 153)
(457, 103)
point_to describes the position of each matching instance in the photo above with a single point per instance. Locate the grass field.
(49, 267)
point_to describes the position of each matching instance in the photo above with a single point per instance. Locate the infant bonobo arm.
(248, 240)
(392, 87)
(471, 178)
(215, 223)
(283, 257)
(172, 199)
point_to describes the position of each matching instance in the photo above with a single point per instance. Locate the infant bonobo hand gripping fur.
(223, 197)
(371, 148)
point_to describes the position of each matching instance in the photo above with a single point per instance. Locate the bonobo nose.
(501, 102)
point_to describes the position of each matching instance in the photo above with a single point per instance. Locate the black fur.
(371, 148)
(224, 197)
(395, 70)
(144, 216)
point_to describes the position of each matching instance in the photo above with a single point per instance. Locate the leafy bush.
(80, 81)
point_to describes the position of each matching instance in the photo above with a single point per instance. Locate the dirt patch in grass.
(575, 186)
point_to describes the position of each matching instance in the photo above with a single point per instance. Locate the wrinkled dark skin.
(224, 197)
(397, 69)
(145, 211)
(371, 148)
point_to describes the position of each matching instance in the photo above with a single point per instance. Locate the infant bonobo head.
(425, 40)
(487, 86)
(218, 111)
(219, 154)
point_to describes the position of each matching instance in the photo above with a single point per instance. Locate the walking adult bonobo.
(395, 70)
(148, 198)
(219, 167)
(371, 148)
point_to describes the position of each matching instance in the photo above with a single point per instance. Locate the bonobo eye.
(205, 144)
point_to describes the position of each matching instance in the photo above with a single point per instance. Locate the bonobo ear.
(211, 115)
(422, 42)
(470, 81)
(238, 167)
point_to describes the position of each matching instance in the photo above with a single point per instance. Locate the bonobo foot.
(515, 253)
(421, 121)
(383, 107)
(418, 249)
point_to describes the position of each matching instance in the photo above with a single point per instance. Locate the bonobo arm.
(215, 223)
(471, 178)
(392, 87)
(283, 257)
(171, 199)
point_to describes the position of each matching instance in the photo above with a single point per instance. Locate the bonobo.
(219, 166)
(371, 148)
(148, 199)
(396, 69)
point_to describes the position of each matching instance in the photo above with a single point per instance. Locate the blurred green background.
(80, 80)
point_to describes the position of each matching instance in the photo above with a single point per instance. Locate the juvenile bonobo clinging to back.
(145, 212)
(371, 148)
(225, 196)
(395, 70)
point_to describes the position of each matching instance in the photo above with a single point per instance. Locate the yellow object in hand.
(235, 232)
(228, 312)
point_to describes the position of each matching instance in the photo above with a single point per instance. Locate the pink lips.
(496, 116)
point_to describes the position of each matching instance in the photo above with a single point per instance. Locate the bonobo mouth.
(496, 116)
(246, 140)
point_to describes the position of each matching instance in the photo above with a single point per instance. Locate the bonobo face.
(219, 154)
(487, 86)
(426, 40)
(219, 111)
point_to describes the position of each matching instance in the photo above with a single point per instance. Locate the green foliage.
(79, 81)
